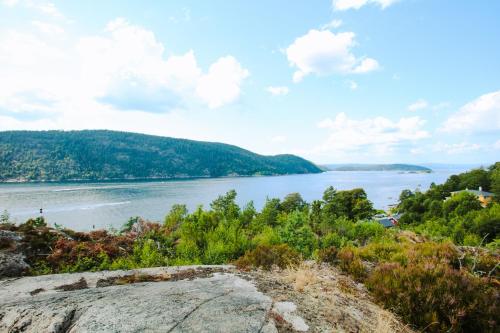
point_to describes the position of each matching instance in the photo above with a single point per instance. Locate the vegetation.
(102, 155)
(438, 270)
(378, 167)
(460, 218)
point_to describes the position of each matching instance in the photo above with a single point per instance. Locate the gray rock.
(12, 260)
(218, 302)
(12, 264)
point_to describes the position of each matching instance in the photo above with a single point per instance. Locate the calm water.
(80, 206)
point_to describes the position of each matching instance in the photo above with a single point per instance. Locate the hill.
(377, 167)
(106, 155)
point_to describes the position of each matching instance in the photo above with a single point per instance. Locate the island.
(407, 168)
(96, 155)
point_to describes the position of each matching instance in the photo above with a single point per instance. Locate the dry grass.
(384, 323)
(301, 277)
(328, 300)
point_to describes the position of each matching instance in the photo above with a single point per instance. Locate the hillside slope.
(101, 155)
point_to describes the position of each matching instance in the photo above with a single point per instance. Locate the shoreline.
(146, 179)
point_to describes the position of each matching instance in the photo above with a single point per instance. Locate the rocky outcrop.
(12, 259)
(191, 299)
(173, 300)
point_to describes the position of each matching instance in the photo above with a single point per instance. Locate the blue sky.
(337, 81)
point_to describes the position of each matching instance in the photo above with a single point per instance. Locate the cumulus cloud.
(45, 7)
(278, 90)
(357, 4)
(480, 115)
(279, 139)
(48, 28)
(124, 68)
(221, 85)
(333, 24)
(378, 134)
(323, 52)
(456, 148)
(418, 105)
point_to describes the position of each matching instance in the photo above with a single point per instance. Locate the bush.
(364, 231)
(96, 253)
(334, 239)
(267, 256)
(297, 233)
(436, 297)
(350, 263)
(328, 255)
(383, 251)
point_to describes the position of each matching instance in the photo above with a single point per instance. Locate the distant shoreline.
(406, 168)
(147, 179)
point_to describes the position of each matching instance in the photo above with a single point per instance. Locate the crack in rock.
(196, 308)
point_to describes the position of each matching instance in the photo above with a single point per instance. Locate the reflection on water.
(82, 205)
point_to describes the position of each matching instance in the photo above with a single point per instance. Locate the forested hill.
(103, 155)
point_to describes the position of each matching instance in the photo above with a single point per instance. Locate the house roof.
(387, 221)
(476, 192)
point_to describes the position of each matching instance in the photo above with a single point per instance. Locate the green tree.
(226, 205)
(292, 202)
(176, 216)
(460, 204)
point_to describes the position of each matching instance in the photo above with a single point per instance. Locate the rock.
(12, 264)
(171, 301)
(12, 260)
(287, 310)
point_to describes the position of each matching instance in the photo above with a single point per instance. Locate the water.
(83, 205)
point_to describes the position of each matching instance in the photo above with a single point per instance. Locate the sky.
(334, 81)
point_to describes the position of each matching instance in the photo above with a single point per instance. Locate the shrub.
(328, 255)
(436, 297)
(96, 253)
(350, 263)
(267, 256)
(298, 234)
(366, 230)
(268, 236)
(382, 251)
(334, 239)
(147, 254)
(227, 242)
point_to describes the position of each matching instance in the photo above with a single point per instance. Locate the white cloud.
(221, 85)
(417, 151)
(276, 90)
(418, 105)
(380, 135)
(456, 148)
(123, 68)
(480, 115)
(366, 65)
(441, 106)
(10, 3)
(333, 24)
(357, 4)
(352, 84)
(324, 52)
(45, 7)
(279, 139)
(48, 28)
(496, 145)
